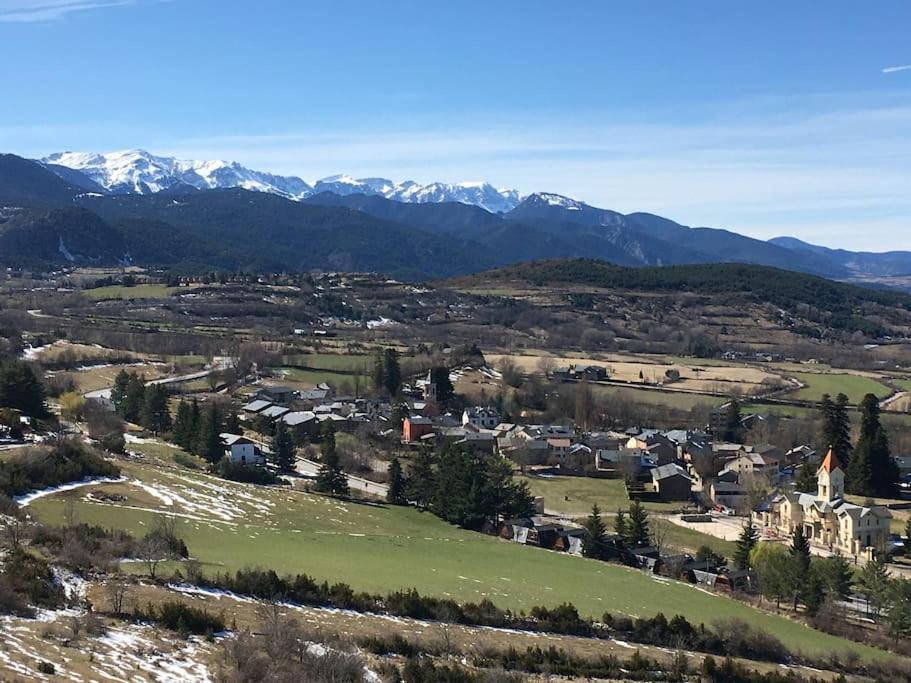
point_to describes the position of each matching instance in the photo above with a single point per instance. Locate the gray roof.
(274, 411)
(257, 405)
(298, 417)
(671, 470)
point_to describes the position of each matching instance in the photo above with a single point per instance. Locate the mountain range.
(192, 215)
(138, 172)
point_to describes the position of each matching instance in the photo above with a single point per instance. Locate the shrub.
(247, 474)
(47, 668)
(68, 460)
(183, 619)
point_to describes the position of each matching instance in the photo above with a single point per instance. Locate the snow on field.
(27, 498)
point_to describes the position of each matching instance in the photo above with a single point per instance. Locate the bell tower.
(830, 478)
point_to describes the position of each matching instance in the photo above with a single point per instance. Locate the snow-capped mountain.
(138, 172)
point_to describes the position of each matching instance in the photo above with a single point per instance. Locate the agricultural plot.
(574, 496)
(331, 361)
(298, 378)
(228, 526)
(854, 386)
(134, 292)
(674, 399)
(704, 377)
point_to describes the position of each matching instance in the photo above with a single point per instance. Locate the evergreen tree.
(585, 405)
(505, 495)
(196, 422)
(379, 372)
(439, 376)
(155, 414)
(184, 429)
(392, 373)
(873, 583)
(745, 544)
(620, 527)
(232, 423)
(283, 447)
(732, 421)
(130, 408)
(806, 481)
(208, 439)
(21, 388)
(800, 564)
(395, 494)
(836, 576)
(841, 430)
(119, 390)
(422, 479)
(595, 540)
(899, 617)
(872, 471)
(330, 478)
(637, 535)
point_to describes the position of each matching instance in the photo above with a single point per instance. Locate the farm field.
(331, 361)
(94, 379)
(574, 496)
(854, 386)
(134, 292)
(675, 399)
(694, 377)
(228, 526)
(306, 379)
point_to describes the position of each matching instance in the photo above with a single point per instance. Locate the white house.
(241, 449)
(482, 418)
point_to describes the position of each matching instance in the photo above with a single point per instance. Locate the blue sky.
(766, 118)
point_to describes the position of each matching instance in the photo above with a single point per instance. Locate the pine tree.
(196, 422)
(392, 373)
(130, 408)
(119, 390)
(620, 527)
(745, 544)
(638, 535)
(395, 494)
(283, 447)
(836, 576)
(872, 471)
(21, 388)
(595, 539)
(208, 439)
(732, 421)
(584, 404)
(155, 414)
(330, 478)
(379, 372)
(873, 583)
(439, 377)
(422, 480)
(232, 423)
(184, 428)
(841, 433)
(800, 564)
(806, 481)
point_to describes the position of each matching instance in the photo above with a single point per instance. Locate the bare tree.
(116, 589)
(153, 550)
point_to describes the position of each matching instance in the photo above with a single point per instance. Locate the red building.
(414, 427)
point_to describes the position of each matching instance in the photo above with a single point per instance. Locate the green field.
(310, 378)
(331, 361)
(134, 292)
(228, 526)
(675, 399)
(903, 384)
(574, 496)
(854, 386)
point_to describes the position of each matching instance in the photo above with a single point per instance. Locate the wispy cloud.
(50, 10)
(900, 67)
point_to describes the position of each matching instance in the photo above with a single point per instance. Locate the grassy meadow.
(853, 386)
(228, 526)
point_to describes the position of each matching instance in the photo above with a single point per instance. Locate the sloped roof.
(830, 462)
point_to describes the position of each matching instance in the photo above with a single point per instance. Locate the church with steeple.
(828, 520)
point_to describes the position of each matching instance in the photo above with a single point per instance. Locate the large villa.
(828, 520)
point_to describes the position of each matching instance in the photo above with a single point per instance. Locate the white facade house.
(481, 418)
(242, 450)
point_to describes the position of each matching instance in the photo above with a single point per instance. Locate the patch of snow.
(27, 498)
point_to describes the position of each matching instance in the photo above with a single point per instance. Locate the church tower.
(830, 478)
